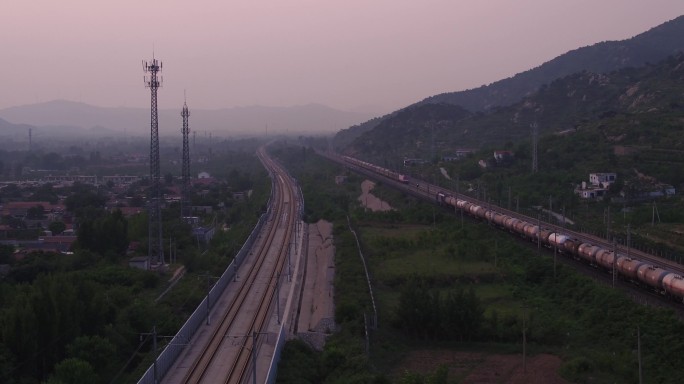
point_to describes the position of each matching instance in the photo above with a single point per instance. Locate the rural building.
(602, 179)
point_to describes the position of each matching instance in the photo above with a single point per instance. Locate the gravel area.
(317, 311)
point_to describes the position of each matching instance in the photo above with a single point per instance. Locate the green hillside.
(649, 47)
(632, 114)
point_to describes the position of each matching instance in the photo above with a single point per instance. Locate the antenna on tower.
(30, 139)
(185, 130)
(535, 134)
(156, 248)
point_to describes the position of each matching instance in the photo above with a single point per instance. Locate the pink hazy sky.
(376, 55)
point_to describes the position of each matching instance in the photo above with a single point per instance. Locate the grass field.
(586, 329)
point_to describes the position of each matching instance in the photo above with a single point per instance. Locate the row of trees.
(427, 313)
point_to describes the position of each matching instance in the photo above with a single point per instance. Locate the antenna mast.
(156, 248)
(185, 198)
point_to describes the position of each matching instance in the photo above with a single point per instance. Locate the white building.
(597, 188)
(602, 179)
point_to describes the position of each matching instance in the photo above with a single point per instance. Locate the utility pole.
(524, 335)
(209, 277)
(628, 238)
(539, 234)
(155, 376)
(509, 198)
(608, 223)
(641, 379)
(555, 252)
(535, 133)
(614, 261)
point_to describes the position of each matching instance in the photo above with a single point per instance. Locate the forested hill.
(649, 47)
(639, 106)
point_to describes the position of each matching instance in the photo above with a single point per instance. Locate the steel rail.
(200, 367)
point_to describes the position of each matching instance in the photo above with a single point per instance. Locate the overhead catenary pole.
(535, 134)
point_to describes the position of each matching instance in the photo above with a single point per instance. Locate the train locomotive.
(377, 169)
(654, 277)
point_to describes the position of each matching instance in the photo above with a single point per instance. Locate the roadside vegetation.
(85, 317)
(443, 283)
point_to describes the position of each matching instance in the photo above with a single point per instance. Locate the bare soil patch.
(371, 201)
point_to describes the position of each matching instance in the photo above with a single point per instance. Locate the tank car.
(651, 276)
(545, 234)
(674, 285)
(606, 258)
(570, 246)
(475, 210)
(519, 227)
(628, 267)
(510, 223)
(531, 231)
(557, 240)
(588, 252)
(500, 220)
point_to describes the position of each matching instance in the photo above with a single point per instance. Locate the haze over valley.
(207, 216)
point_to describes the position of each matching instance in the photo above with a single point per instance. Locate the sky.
(366, 55)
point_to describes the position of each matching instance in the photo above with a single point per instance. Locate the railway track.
(428, 191)
(234, 341)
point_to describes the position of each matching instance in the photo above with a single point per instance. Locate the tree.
(6, 251)
(52, 161)
(74, 371)
(107, 233)
(45, 193)
(37, 212)
(57, 227)
(96, 351)
(82, 198)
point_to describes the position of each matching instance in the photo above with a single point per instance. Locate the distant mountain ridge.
(648, 47)
(639, 107)
(305, 119)
(651, 46)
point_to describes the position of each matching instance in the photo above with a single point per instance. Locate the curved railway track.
(221, 359)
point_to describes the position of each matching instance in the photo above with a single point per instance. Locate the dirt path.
(371, 201)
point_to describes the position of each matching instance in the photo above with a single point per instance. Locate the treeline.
(90, 318)
(429, 314)
(83, 317)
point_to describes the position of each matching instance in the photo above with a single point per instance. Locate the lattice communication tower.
(156, 248)
(185, 173)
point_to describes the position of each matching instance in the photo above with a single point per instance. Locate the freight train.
(377, 169)
(656, 278)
